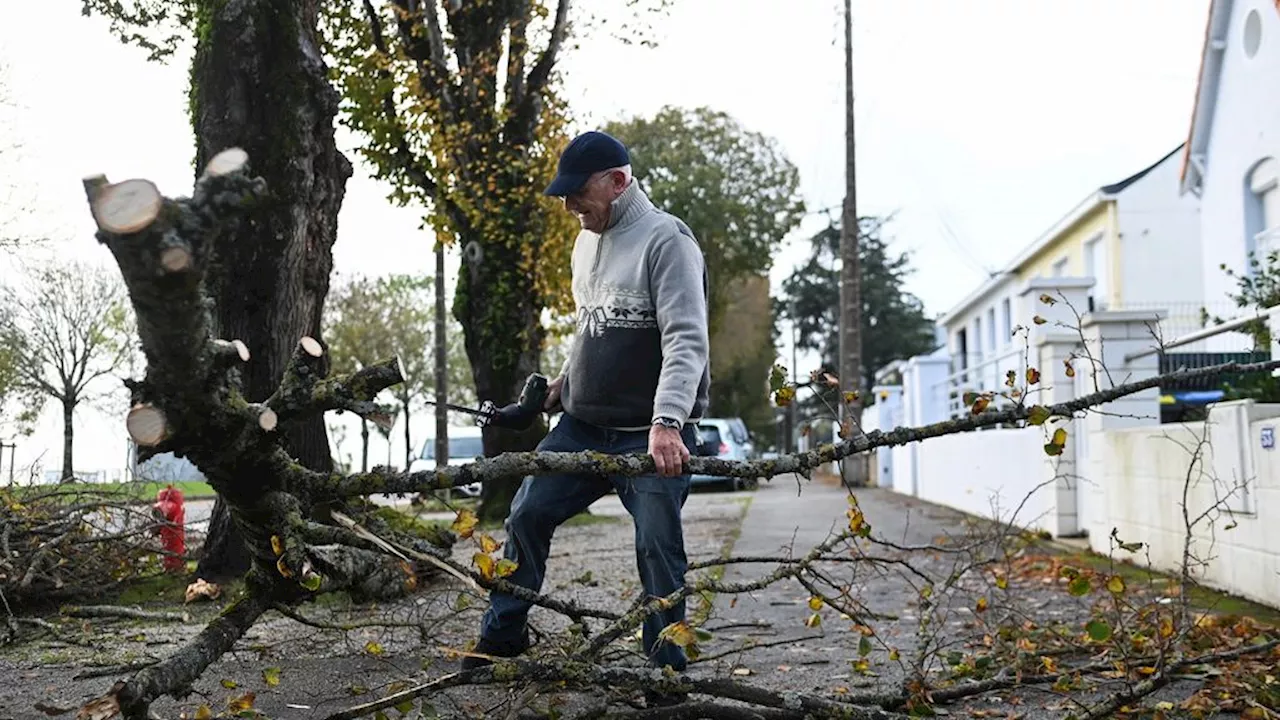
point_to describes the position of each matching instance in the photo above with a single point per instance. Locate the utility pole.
(853, 469)
(442, 365)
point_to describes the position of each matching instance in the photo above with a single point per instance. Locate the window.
(1263, 217)
(977, 337)
(1006, 327)
(1096, 266)
(1252, 33)
(1060, 267)
(991, 328)
(466, 448)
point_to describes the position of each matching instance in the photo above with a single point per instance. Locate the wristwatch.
(667, 422)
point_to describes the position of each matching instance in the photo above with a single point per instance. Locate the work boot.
(497, 649)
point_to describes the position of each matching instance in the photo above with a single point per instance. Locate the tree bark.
(364, 445)
(504, 343)
(259, 84)
(68, 440)
(442, 364)
(408, 446)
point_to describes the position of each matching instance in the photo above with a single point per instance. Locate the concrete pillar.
(1110, 337)
(889, 406)
(1057, 473)
(1071, 298)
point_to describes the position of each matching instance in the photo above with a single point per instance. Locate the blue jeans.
(544, 502)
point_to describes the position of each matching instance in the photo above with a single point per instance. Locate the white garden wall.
(989, 474)
(1139, 477)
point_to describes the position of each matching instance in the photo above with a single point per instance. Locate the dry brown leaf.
(201, 588)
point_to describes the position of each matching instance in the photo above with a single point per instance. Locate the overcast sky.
(980, 123)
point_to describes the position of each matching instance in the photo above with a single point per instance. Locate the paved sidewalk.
(787, 518)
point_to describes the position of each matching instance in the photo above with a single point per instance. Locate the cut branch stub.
(267, 419)
(311, 346)
(147, 425)
(226, 162)
(125, 207)
(175, 259)
(232, 349)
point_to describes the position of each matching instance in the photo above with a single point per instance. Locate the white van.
(465, 446)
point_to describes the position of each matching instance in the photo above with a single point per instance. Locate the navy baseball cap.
(588, 153)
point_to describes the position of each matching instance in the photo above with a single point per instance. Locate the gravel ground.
(323, 671)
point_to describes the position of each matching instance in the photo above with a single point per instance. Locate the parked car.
(465, 445)
(725, 438)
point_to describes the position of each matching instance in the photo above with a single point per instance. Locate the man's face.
(591, 203)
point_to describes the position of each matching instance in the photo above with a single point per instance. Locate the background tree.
(72, 328)
(19, 404)
(742, 353)
(735, 188)
(258, 82)
(458, 108)
(740, 195)
(894, 324)
(371, 319)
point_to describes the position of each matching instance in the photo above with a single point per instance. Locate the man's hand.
(668, 450)
(552, 403)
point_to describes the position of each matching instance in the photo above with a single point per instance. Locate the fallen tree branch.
(520, 464)
(112, 611)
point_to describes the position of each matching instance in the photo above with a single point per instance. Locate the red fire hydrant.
(173, 534)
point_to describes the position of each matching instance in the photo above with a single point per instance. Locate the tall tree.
(742, 354)
(894, 324)
(458, 108)
(259, 82)
(72, 329)
(371, 319)
(740, 195)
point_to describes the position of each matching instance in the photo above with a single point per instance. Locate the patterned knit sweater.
(641, 349)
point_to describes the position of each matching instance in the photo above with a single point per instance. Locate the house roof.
(1206, 98)
(1082, 209)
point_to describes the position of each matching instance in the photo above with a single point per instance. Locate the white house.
(1230, 160)
(1129, 245)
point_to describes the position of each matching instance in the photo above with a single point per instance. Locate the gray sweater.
(641, 349)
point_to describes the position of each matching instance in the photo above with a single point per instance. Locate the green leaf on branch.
(777, 378)
(1080, 586)
(864, 646)
(1057, 444)
(1038, 415)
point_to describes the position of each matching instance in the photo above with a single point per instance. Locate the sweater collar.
(628, 206)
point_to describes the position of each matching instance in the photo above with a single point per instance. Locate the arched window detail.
(1263, 213)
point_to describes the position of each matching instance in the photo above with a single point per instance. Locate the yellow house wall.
(1070, 243)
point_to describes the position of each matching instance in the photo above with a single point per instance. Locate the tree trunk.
(258, 82)
(68, 437)
(364, 445)
(504, 344)
(442, 365)
(408, 446)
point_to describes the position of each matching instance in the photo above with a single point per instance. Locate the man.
(636, 381)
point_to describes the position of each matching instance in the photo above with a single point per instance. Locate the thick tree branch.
(183, 668)
(514, 465)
